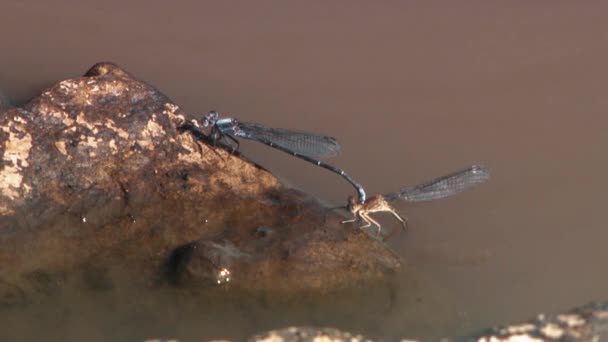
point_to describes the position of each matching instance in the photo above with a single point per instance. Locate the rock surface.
(307, 334)
(98, 182)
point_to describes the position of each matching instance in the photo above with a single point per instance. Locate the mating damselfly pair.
(313, 147)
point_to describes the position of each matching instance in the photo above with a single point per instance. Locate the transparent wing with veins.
(304, 143)
(443, 186)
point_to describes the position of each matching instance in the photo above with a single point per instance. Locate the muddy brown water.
(412, 90)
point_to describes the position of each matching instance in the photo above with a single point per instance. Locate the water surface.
(412, 90)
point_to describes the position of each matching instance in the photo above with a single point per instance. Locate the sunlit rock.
(96, 174)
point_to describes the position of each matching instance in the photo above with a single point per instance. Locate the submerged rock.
(97, 175)
(307, 334)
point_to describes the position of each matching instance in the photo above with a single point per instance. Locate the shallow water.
(412, 90)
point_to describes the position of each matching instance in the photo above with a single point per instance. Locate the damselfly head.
(353, 205)
(210, 119)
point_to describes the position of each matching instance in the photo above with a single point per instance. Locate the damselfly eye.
(210, 118)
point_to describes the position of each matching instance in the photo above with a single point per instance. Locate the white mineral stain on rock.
(44, 110)
(113, 147)
(552, 331)
(112, 125)
(170, 110)
(82, 121)
(67, 86)
(95, 127)
(518, 329)
(192, 157)
(512, 338)
(60, 146)
(150, 132)
(272, 337)
(89, 141)
(16, 151)
(19, 119)
(325, 339)
(571, 320)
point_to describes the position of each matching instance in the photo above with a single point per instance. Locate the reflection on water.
(219, 312)
(5, 103)
(411, 91)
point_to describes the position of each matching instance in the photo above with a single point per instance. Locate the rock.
(96, 174)
(307, 334)
(305, 260)
(294, 334)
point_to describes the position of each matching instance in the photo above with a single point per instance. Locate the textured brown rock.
(307, 334)
(95, 175)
